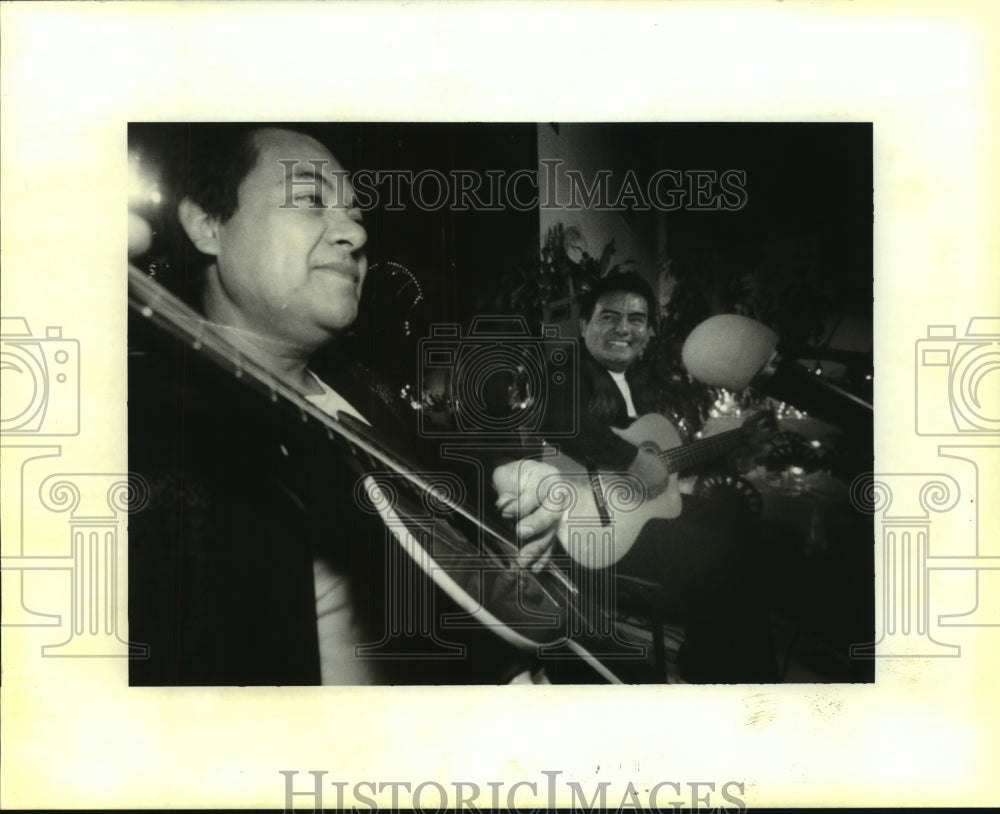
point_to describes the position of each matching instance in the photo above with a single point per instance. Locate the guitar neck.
(689, 455)
(154, 303)
(158, 305)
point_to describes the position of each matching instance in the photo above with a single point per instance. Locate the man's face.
(292, 274)
(618, 330)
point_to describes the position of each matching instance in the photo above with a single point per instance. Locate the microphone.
(734, 352)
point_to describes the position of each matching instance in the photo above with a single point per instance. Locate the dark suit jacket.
(599, 405)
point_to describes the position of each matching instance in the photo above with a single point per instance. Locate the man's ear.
(200, 227)
(583, 325)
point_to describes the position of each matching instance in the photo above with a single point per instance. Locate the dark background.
(797, 256)
(804, 237)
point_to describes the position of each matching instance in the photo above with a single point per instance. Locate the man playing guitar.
(256, 561)
(705, 556)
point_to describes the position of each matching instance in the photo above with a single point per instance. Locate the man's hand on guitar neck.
(520, 486)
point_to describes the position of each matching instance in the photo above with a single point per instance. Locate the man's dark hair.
(206, 163)
(627, 282)
(209, 163)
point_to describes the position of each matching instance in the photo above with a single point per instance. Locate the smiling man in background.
(707, 559)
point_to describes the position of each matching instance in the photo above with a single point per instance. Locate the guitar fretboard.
(684, 457)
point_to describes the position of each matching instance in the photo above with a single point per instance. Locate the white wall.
(590, 148)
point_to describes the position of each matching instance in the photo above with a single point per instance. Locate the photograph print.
(448, 403)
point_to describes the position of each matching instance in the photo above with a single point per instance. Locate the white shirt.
(623, 386)
(338, 631)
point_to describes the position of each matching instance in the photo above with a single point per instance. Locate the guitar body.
(652, 428)
(621, 503)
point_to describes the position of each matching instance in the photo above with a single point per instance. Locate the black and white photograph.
(606, 386)
(498, 405)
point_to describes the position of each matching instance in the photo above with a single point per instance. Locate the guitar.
(469, 560)
(623, 502)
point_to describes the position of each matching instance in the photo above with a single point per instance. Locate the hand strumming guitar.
(519, 486)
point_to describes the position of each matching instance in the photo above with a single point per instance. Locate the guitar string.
(707, 447)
